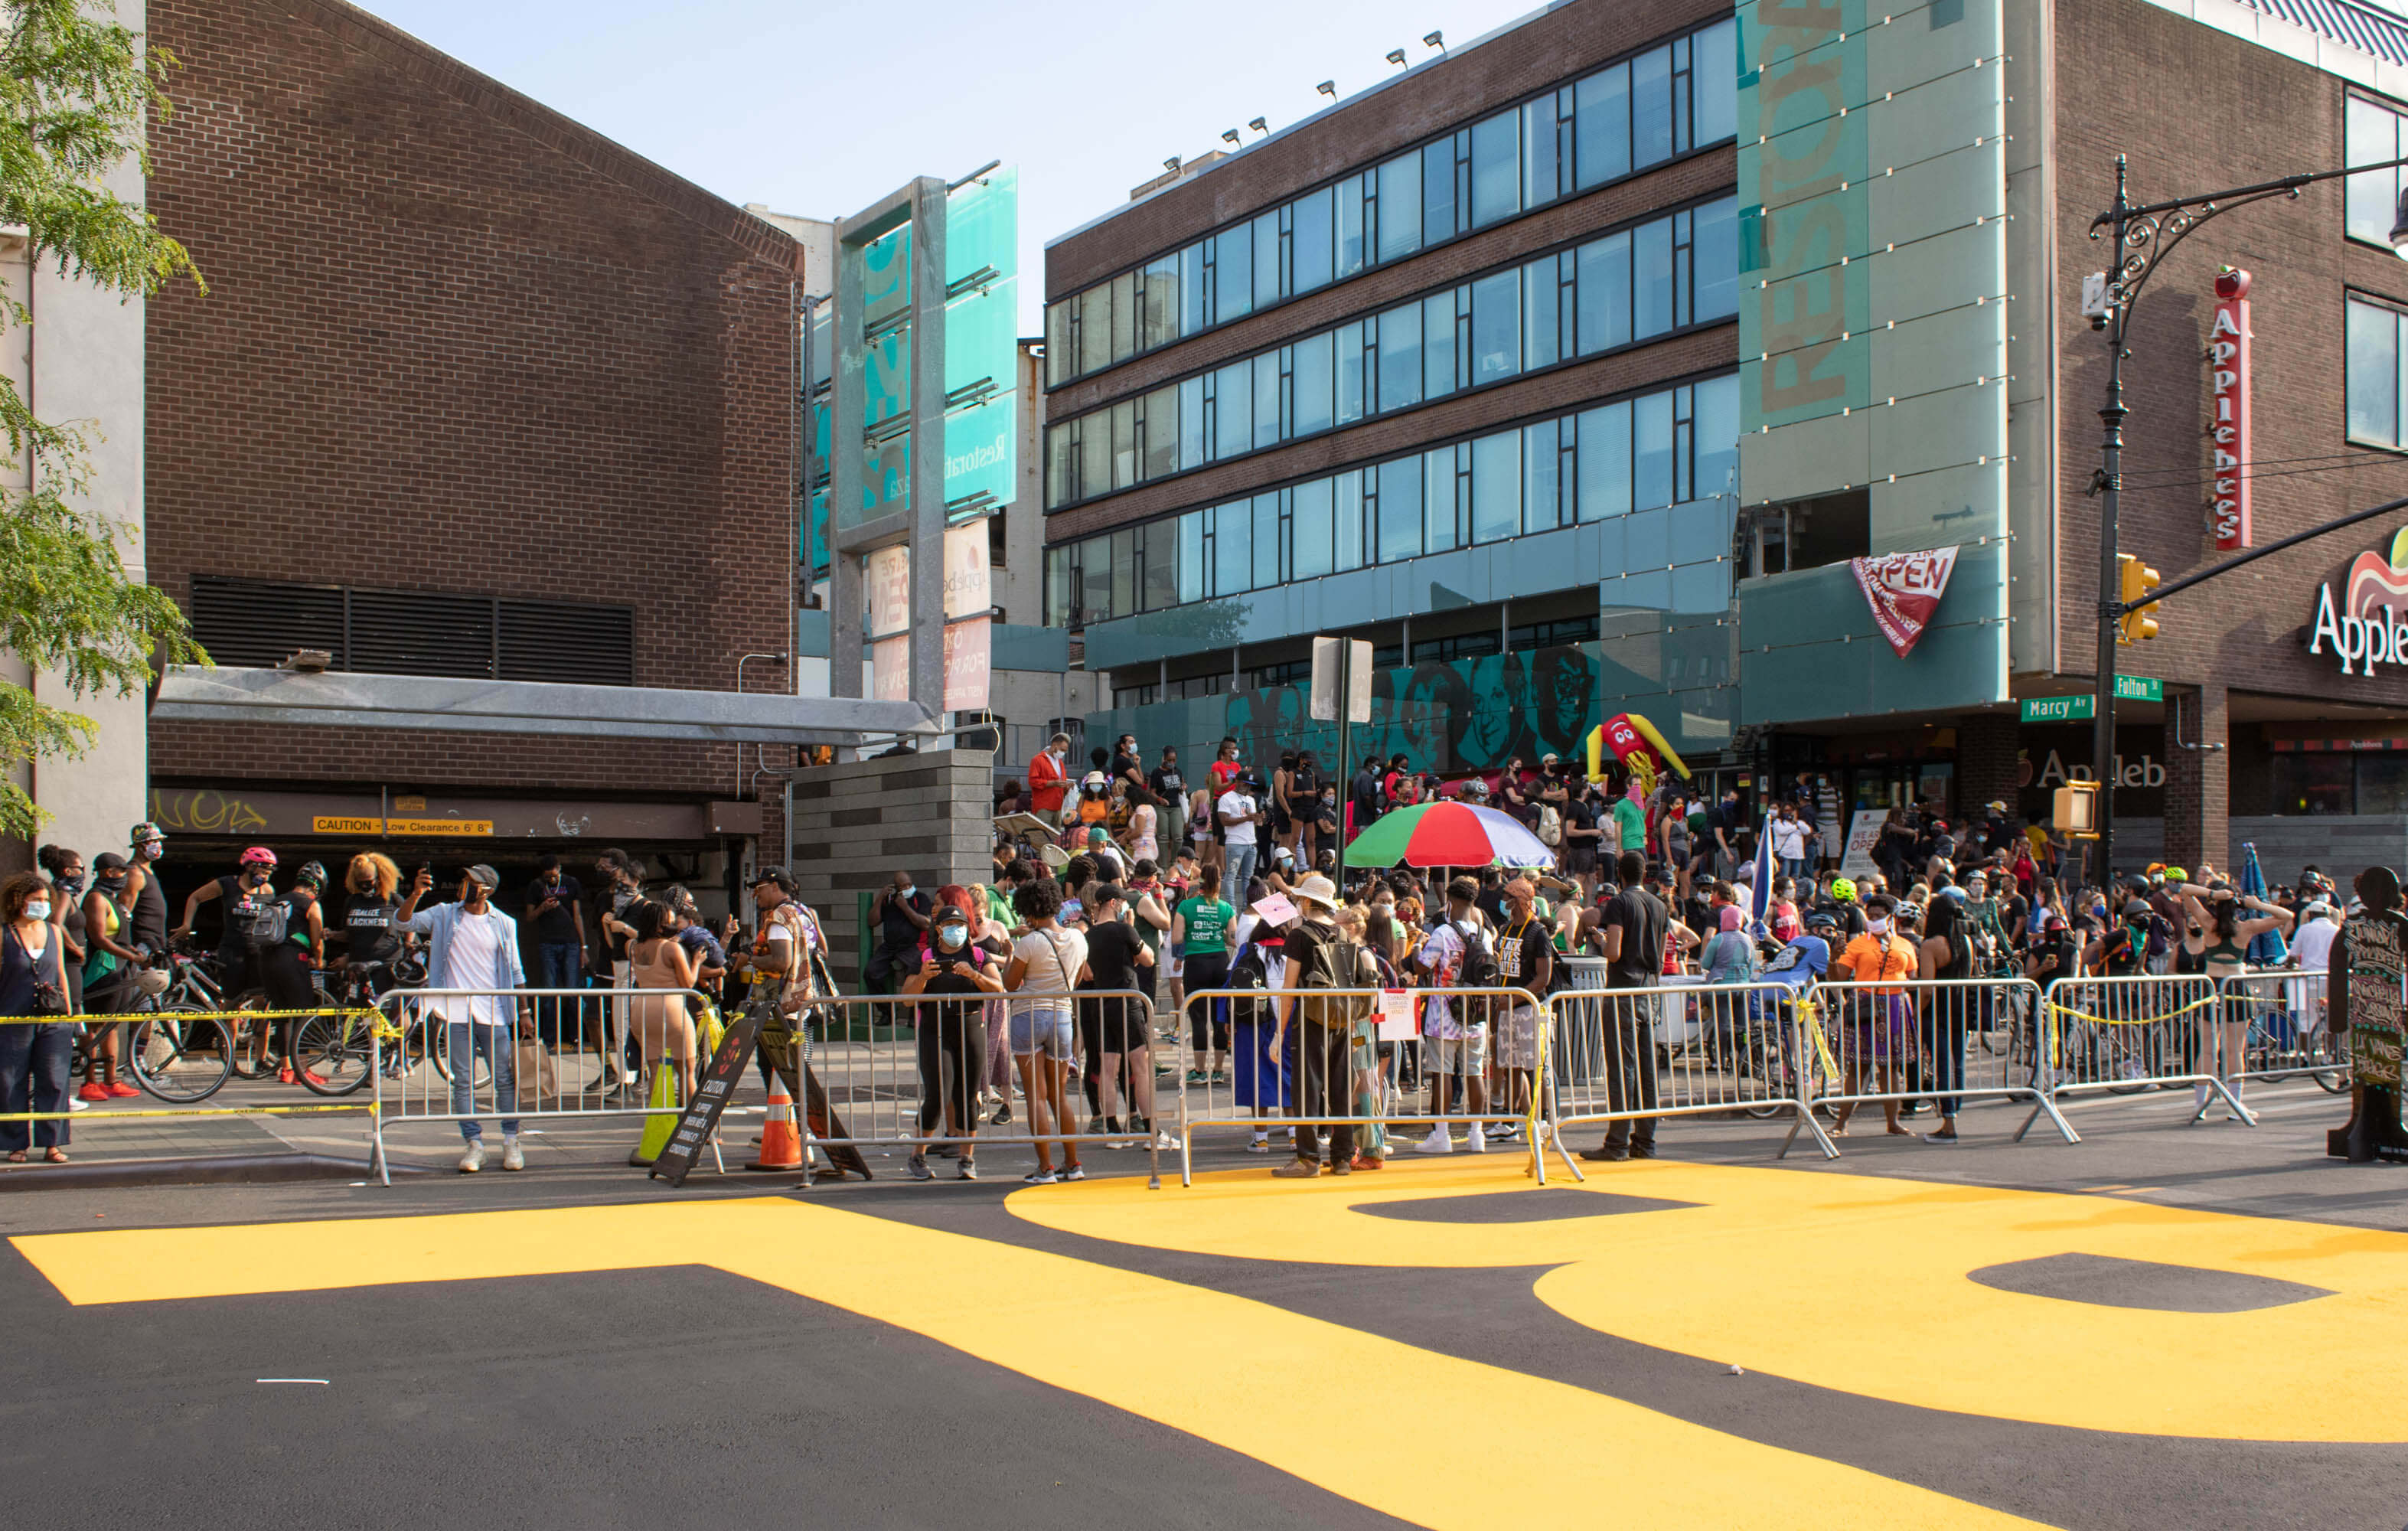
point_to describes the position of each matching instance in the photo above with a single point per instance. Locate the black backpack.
(1248, 973)
(258, 922)
(1479, 969)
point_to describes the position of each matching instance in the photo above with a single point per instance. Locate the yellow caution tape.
(2056, 1008)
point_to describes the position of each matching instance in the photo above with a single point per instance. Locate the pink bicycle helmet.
(259, 855)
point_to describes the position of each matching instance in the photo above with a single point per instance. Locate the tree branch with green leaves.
(74, 89)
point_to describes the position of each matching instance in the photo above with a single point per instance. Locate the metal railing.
(2289, 1031)
(1682, 1048)
(921, 1071)
(2126, 1036)
(1358, 1061)
(520, 1054)
(1946, 1041)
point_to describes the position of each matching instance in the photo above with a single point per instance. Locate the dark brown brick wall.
(2198, 110)
(454, 341)
(1435, 97)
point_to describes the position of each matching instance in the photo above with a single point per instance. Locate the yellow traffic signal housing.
(2140, 618)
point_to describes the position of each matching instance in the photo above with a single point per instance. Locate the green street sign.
(2139, 688)
(2059, 709)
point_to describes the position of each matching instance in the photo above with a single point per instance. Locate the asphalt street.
(2165, 1325)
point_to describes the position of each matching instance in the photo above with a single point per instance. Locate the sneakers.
(1479, 1143)
(1439, 1141)
(514, 1157)
(1074, 1172)
(92, 1091)
(120, 1091)
(1608, 1153)
(285, 1074)
(1195, 1076)
(1002, 1115)
(1165, 1142)
(1340, 1167)
(1368, 1161)
(1259, 1143)
(1643, 1150)
(969, 1170)
(473, 1159)
(1297, 1169)
(919, 1167)
(1041, 1175)
(1095, 1126)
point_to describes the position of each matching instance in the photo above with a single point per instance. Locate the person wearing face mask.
(900, 913)
(109, 967)
(1047, 777)
(261, 944)
(474, 947)
(35, 1055)
(951, 1033)
(1879, 1039)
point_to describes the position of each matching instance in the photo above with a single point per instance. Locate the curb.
(220, 1169)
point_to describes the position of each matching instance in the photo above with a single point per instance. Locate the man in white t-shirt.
(2311, 955)
(1239, 812)
(473, 946)
(1455, 1043)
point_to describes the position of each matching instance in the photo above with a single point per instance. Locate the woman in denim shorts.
(1045, 963)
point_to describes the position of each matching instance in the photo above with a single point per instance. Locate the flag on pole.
(1759, 893)
(2267, 947)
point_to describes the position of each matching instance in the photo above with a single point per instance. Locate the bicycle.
(176, 1050)
(333, 1053)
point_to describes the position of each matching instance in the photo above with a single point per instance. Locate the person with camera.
(472, 946)
(953, 1031)
(36, 1052)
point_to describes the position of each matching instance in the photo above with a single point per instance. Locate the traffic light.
(2140, 621)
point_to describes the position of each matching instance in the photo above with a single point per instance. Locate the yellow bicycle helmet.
(1844, 889)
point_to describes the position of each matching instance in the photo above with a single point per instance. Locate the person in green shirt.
(1631, 823)
(1199, 939)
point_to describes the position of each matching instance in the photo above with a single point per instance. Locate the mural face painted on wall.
(1445, 716)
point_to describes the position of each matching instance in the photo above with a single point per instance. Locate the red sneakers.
(120, 1091)
(92, 1091)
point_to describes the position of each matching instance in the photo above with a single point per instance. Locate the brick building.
(1665, 350)
(474, 392)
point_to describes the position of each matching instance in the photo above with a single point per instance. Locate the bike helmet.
(146, 830)
(1908, 913)
(1822, 919)
(312, 873)
(1844, 889)
(259, 855)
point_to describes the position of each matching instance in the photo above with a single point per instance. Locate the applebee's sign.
(2366, 627)
(2228, 426)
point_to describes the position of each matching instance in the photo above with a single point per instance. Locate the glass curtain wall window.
(2372, 133)
(1627, 116)
(1621, 289)
(1669, 446)
(2376, 342)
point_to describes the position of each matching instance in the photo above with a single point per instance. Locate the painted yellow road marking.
(1259, 1380)
(1861, 1284)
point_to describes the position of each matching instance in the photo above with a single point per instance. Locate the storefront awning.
(192, 694)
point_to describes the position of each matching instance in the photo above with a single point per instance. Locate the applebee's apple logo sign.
(2365, 628)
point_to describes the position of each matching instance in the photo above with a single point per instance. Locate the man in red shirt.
(1046, 778)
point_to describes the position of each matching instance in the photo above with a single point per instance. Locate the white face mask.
(39, 910)
(1878, 926)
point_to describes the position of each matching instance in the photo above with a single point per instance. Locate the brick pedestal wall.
(2198, 779)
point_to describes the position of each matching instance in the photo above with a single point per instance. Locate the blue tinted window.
(1400, 357)
(1602, 126)
(1538, 152)
(1350, 225)
(1348, 514)
(1603, 305)
(1541, 311)
(1267, 261)
(1439, 495)
(1191, 289)
(1716, 260)
(1233, 391)
(1651, 106)
(1191, 557)
(1496, 168)
(1604, 459)
(1439, 374)
(1266, 400)
(1191, 423)
(1400, 509)
(1652, 451)
(1310, 242)
(1717, 436)
(1313, 384)
(1495, 327)
(1233, 569)
(1496, 487)
(1233, 276)
(1400, 206)
(1439, 215)
(1309, 529)
(1653, 301)
(1350, 374)
(1266, 540)
(1714, 77)
(1541, 468)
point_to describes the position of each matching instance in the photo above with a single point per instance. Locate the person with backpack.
(1525, 959)
(1321, 958)
(1259, 1072)
(263, 941)
(1456, 953)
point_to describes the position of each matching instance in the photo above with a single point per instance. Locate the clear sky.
(804, 107)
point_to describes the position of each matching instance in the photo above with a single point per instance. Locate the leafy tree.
(74, 89)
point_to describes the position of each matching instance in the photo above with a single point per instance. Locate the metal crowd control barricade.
(538, 1060)
(1682, 1050)
(181, 1058)
(1946, 1041)
(2128, 1035)
(1397, 1054)
(2290, 1035)
(911, 1070)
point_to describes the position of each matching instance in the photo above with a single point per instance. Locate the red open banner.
(1904, 590)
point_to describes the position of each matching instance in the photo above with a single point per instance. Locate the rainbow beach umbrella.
(1448, 834)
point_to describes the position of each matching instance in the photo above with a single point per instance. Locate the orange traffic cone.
(781, 1142)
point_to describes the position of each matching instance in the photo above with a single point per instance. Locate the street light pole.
(2143, 235)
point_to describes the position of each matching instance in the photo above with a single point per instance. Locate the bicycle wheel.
(331, 1054)
(179, 1055)
(253, 1059)
(439, 1049)
(2336, 1080)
